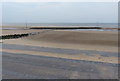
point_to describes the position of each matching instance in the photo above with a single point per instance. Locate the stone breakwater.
(15, 36)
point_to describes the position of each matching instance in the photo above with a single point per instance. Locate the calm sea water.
(114, 25)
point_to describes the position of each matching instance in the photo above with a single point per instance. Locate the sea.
(104, 25)
(113, 25)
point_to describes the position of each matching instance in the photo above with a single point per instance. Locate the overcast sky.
(60, 12)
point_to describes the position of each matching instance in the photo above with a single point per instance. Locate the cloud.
(59, 12)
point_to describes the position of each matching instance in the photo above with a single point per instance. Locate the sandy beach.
(59, 40)
(87, 40)
(106, 41)
(93, 46)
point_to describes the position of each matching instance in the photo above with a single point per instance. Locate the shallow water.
(8, 28)
(93, 30)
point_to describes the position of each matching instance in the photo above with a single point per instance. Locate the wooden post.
(26, 25)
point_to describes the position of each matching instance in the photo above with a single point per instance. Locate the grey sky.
(60, 12)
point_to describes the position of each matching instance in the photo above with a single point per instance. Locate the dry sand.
(83, 40)
(78, 37)
(94, 57)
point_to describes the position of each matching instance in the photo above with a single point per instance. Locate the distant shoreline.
(74, 28)
(104, 25)
(64, 27)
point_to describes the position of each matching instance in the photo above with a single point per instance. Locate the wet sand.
(18, 31)
(23, 66)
